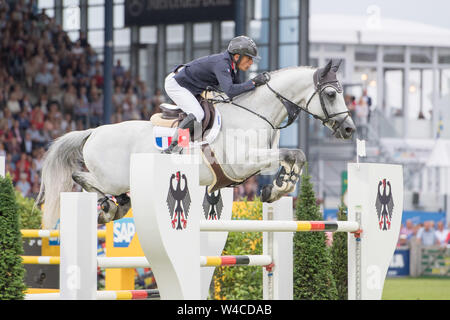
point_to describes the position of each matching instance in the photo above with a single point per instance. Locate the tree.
(12, 272)
(313, 279)
(339, 257)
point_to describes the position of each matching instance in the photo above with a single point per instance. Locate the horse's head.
(327, 102)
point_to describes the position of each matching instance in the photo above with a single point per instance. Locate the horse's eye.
(331, 94)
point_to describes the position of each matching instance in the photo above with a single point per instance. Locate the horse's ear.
(335, 65)
(326, 69)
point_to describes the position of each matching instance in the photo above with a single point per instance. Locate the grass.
(416, 289)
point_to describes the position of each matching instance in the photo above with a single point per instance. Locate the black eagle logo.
(178, 201)
(212, 205)
(384, 205)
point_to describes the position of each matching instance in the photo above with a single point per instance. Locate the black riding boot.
(190, 123)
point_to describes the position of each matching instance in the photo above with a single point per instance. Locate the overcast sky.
(434, 12)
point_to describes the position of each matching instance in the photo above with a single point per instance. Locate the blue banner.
(399, 266)
(415, 216)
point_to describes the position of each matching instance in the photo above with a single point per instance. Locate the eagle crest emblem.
(178, 201)
(384, 204)
(212, 205)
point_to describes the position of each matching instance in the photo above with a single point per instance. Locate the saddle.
(171, 115)
(169, 119)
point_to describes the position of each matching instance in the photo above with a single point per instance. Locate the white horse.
(98, 159)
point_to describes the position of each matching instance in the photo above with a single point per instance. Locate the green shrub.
(12, 272)
(313, 279)
(30, 217)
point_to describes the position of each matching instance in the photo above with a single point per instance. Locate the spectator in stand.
(250, 188)
(14, 149)
(118, 115)
(39, 158)
(117, 98)
(34, 173)
(24, 122)
(13, 104)
(118, 69)
(25, 104)
(96, 109)
(406, 232)
(37, 136)
(37, 117)
(82, 106)
(23, 185)
(361, 111)
(70, 99)
(441, 233)
(43, 78)
(69, 79)
(67, 124)
(34, 190)
(16, 132)
(98, 76)
(131, 112)
(238, 192)
(27, 145)
(8, 118)
(427, 235)
(54, 89)
(157, 99)
(43, 103)
(77, 50)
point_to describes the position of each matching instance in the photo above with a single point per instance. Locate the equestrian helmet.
(243, 45)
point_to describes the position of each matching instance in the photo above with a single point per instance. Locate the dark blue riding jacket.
(213, 70)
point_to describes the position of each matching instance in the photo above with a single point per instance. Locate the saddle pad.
(163, 135)
(157, 120)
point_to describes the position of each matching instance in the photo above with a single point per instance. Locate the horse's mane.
(214, 94)
(290, 68)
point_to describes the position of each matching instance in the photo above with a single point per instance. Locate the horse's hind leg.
(292, 161)
(109, 208)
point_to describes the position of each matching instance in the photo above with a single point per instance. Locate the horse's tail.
(64, 156)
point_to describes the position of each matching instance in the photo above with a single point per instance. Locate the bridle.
(321, 82)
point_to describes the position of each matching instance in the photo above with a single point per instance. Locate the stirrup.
(172, 149)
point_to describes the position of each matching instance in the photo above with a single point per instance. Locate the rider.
(190, 80)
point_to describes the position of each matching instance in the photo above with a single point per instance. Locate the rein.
(293, 109)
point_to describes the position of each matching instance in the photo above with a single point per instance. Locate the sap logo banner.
(124, 231)
(399, 265)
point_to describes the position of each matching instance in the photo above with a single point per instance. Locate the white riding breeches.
(183, 98)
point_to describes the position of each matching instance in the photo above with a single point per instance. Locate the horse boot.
(191, 123)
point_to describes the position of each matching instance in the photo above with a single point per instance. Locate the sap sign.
(399, 264)
(124, 231)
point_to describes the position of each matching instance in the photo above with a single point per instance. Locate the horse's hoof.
(266, 193)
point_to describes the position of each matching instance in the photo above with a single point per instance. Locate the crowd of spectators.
(50, 85)
(426, 234)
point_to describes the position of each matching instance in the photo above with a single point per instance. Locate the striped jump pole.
(141, 262)
(278, 226)
(41, 233)
(103, 295)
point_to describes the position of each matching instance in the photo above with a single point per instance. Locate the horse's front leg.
(290, 162)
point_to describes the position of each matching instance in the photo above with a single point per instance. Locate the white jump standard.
(171, 251)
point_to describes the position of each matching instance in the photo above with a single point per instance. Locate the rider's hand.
(260, 79)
